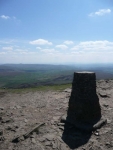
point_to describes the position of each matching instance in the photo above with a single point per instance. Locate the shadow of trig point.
(84, 110)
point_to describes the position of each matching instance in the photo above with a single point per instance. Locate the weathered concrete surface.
(84, 104)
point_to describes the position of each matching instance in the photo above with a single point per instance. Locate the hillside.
(35, 75)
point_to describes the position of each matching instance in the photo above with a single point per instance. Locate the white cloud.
(8, 48)
(21, 50)
(49, 51)
(14, 17)
(10, 41)
(38, 48)
(5, 17)
(68, 42)
(63, 47)
(2, 53)
(101, 12)
(40, 42)
(94, 46)
(76, 53)
(85, 51)
(10, 17)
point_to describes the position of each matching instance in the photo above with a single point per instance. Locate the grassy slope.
(34, 75)
(40, 88)
(35, 78)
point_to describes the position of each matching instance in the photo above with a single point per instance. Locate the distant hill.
(32, 75)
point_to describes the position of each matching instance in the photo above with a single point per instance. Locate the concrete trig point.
(84, 109)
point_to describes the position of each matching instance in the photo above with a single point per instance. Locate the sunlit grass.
(60, 87)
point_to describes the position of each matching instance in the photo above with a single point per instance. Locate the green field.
(46, 88)
(35, 76)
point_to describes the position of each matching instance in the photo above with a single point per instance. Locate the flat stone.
(109, 121)
(61, 124)
(49, 137)
(58, 114)
(54, 145)
(48, 143)
(32, 136)
(65, 102)
(103, 94)
(1, 108)
(33, 140)
(63, 118)
(108, 144)
(11, 128)
(21, 138)
(105, 105)
(68, 90)
(56, 118)
(18, 107)
(25, 120)
(96, 133)
(42, 139)
(6, 120)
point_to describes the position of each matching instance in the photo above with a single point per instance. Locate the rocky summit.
(34, 120)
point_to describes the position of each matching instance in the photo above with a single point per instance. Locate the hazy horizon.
(65, 64)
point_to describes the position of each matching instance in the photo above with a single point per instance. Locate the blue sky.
(56, 31)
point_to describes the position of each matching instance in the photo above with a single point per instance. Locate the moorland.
(16, 76)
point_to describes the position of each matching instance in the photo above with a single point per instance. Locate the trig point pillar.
(84, 103)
